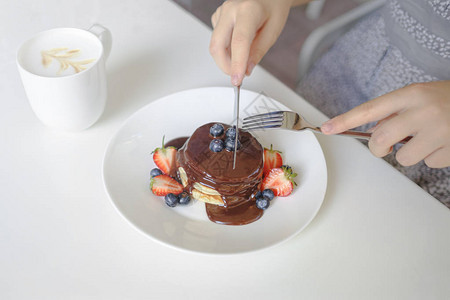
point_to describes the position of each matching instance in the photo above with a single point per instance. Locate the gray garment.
(421, 30)
(392, 48)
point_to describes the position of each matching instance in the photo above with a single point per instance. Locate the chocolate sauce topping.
(177, 143)
(237, 187)
(242, 214)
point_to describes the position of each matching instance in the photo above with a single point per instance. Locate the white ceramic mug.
(63, 73)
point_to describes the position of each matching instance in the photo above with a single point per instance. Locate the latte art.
(65, 58)
(60, 52)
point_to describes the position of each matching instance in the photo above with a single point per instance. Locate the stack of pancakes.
(209, 176)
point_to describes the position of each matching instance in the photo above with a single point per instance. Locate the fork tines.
(262, 121)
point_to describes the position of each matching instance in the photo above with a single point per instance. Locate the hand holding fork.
(293, 121)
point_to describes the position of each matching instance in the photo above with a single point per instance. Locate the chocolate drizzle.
(177, 143)
(237, 187)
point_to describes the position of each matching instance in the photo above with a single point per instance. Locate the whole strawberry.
(272, 159)
(280, 181)
(165, 158)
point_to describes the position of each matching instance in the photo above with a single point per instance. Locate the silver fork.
(293, 121)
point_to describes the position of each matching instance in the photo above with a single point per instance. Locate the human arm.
(421, 110)
(244, 30)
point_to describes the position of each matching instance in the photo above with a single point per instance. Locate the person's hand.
(244, 30)
(419, 110)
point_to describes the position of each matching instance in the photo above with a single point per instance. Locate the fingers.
(414, 151)
(240, 50)
(370, 111)
(234, 31)
(244, 33)
(263, 42)
(381, 122)
(215, 16)
(395, 128)
(419, 110)
(390, 131)
(439, 158)
(220, 41)
(423, 146)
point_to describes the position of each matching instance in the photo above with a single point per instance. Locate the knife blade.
(237, 90)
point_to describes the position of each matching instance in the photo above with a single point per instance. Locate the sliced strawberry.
(280, 181)
(165, 159)
(162, 185)
(272, 159)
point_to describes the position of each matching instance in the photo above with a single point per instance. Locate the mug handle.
(104, 35)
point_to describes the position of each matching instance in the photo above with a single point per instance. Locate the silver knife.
(237, 90)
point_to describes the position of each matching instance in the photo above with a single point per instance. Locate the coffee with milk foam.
(59, 54)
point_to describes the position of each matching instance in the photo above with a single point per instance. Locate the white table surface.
(376, 236)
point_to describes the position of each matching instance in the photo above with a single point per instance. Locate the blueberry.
(155, 172)
(262, 203)
(258, 195)
(171, 200)
(216, 145)
(184, 198)
(216, 130)
(268, 193)
(229, 144)
(231, 132)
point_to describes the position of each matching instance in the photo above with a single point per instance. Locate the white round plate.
(128, 162)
